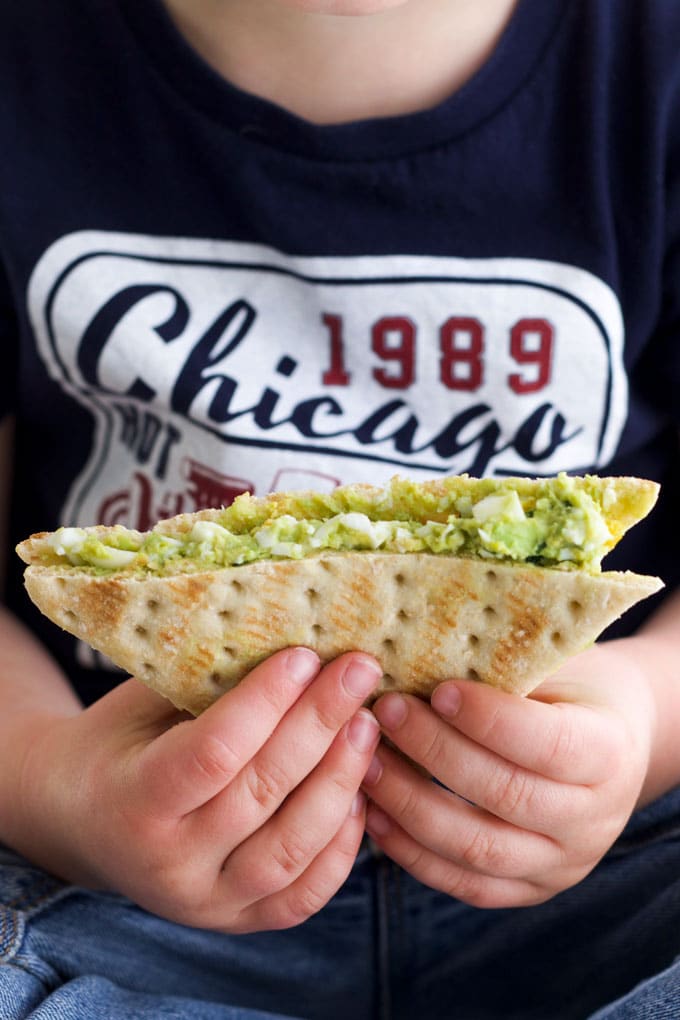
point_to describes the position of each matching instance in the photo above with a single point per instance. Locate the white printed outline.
(73, 250)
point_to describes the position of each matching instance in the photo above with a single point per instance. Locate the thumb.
(134, 708)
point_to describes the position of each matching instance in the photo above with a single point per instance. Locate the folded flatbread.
(497, 580)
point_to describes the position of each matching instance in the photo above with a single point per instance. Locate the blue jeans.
(385, 948)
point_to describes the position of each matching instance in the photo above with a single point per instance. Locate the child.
(260, 244)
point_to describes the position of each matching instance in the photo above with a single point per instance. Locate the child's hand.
(544, 784)
(243, 819)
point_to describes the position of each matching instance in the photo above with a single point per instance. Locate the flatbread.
(192, 631)
(426, 618)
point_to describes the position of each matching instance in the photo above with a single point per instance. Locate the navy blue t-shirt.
(201, 293)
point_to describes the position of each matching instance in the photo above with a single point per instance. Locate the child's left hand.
(543, 785)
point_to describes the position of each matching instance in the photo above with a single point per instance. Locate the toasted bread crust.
(426, 618)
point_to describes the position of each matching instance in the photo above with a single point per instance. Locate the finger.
(453, 829)
(190, 763)
(562, 741)
(499, 786)
(284, 848)
(450, 877)
(315, 886)
(296, 747)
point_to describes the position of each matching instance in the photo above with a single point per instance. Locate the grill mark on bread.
(442, 608)
(528, 623)
(435, 616)
(106, 600)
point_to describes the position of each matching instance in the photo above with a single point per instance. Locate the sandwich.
(497, 580)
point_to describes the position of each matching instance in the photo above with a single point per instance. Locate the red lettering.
(394, 341)
(531, 343)
(461, 341)
(336, 374)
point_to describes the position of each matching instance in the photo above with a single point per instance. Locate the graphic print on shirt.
(214, 367)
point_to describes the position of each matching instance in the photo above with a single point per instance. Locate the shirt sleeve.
(8, 348)
(668, 361)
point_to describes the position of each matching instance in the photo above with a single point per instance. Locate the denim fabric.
(656, 999)
(385, 948)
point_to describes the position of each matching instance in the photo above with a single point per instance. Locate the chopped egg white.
(112, 558)
(207, 531)
(67, 541)
(506, 505)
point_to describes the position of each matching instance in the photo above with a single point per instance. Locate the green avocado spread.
(560, 522)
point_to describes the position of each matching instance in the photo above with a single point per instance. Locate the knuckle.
(407, 802)
(292, 853)
(491, 725)
(434, 751)
(254, 882)
(415, 859)
(564, 745)
(272, 698)
(469, 887)
(304, 903)
(309, 897)
(214, 758)
(487, 896)
(481, 898)
(508, 788)
(483, 892)
(480, 850)
(225, 912)
(267, 783)
(326, 718)
(343, 784)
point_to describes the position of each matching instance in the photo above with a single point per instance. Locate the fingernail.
(391, 711)
(361, 677)
(363, 730)
(358, 804)
(377, 822)
(303, 665)
(374, 771)
(446, 700)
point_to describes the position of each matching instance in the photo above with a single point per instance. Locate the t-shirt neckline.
(526, 37)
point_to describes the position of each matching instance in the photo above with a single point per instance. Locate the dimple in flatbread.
(495, 580)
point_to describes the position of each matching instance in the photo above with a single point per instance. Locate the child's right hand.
(246, 818)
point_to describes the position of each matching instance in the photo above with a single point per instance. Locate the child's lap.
(384, 947)
(83, 954)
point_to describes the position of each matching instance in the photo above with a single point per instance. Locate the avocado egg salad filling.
(564, 522)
